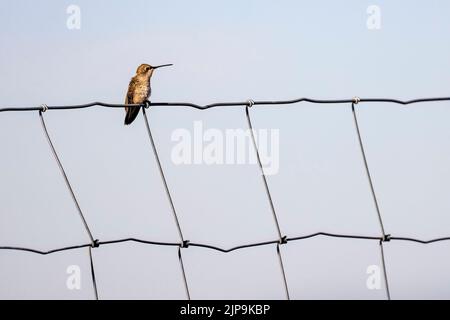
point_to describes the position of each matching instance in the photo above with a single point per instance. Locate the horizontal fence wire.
(226, 104)
(389, 238)
(184, 244)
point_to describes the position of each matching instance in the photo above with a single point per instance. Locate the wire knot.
(283, 240)
(43, 107)
(95, 243)
(356, 100)
(386, 238)
(250, 103)
(185, 244)
(146, 104)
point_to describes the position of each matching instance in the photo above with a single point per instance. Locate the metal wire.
(227, 104)
(269, 196)
(374, 197)
(225, 250)
(421, 241)
(169, 197)
(186, 287)
(280, 259)
(163, 178)
(383, 262)
(369, 177)
(266, 186)
(44, 127)
(185, 243)
(94, 282)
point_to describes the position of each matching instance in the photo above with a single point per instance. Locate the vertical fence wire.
(282, 239)
(383, 261)
(166, 187)
(266, 186)
(283, 272)
(369, 177)
(66, 179)
(94, 243)
(374, 197)
(163, 177)
(186, 287)
(94, 282)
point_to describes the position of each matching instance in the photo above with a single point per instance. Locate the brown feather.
(138, 91)
(131, 113)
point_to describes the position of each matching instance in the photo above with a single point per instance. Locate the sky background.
(225, 51)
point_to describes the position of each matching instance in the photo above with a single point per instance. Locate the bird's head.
(147, 70)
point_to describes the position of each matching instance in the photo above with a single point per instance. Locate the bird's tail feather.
(131, 114)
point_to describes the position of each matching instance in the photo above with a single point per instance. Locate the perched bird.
(139, 90)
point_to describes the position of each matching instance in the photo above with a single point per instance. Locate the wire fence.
(185, 244)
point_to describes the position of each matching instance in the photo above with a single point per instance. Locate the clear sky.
(225, 51)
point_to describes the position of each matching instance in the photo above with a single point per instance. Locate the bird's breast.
(142, 92)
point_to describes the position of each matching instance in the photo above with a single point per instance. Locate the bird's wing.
(130, 93)
(131, 113)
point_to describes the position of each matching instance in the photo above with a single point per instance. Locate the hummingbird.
(139, 90)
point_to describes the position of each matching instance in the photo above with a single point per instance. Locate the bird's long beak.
(163, 65)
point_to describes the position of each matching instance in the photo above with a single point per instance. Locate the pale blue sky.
(226, 50)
